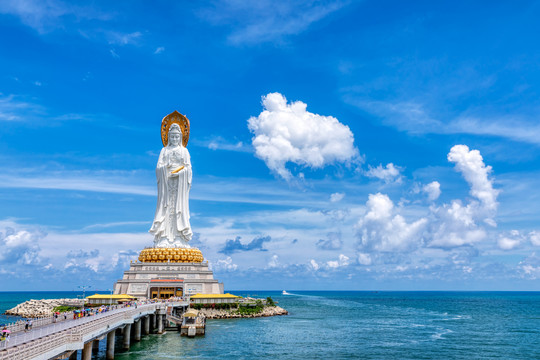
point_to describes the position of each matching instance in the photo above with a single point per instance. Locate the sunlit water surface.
(368, 325)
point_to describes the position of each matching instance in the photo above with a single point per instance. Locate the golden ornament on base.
(176, 255)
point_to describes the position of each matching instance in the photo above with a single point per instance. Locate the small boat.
(285, 293)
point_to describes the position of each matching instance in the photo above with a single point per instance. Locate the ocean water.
(362, 325)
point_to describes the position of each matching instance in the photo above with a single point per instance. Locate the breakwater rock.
(38, 308)
(230, 314)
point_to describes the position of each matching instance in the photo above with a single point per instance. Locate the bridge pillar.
(159, 324)
(146, 325)
(127, 336)
(95, 346)
(87, 351)
(153, 318)
(110, 345)
(138, 330)
(73, 355)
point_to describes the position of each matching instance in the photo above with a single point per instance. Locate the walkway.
(51, 340)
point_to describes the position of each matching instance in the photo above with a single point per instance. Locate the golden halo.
(174, 118)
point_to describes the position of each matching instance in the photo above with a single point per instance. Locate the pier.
(64, 339)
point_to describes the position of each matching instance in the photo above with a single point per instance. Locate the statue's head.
(175, 135)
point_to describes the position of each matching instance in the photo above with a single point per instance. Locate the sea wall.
(38, 308)
(230, 314)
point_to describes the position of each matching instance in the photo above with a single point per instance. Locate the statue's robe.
(175, 231)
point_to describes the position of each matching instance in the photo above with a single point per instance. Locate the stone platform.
(167, 279)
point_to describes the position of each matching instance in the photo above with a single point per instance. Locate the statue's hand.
(174, 174)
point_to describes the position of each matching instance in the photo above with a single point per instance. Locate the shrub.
(270, 302)
(64, 308)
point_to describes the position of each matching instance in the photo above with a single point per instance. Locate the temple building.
(164, 280)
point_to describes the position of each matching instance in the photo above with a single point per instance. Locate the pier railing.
(40, 341)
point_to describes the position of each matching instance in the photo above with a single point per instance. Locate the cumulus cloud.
(364, 259)
(20, 246)
(342, 261)
(274, 262)
(534, 237)
(382, 230)
(225, 264)
(454, 224)
(286, 133)
(530, 266)
(471, 165)
(508, 243)
(388, 174)
(458, 224)
(333, 242)
(511, 240)
(232, 246)
(337, 197)
(314, 265)
(433, 190)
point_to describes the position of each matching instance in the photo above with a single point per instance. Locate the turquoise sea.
(357, 325)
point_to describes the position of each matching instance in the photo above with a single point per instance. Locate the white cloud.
(219, 143)
(530, 266)
(333, 242)
(388, 174)
(507, 243)
(46, 15)
(534, 237)
(13, 108)
(332, 264)
(19, 246)
(289, 133)
(415, 118)
(114, 54)
(337, 197)
(120, 38)
(449, 225)
(75, 181)
(341, 262)
(379, 229)
(159, 50)
(265, 20)
(433, 190)
(225, 265)
(364, 259)
(273, 261)
(471, 165)
(456, 224)
(314, 265)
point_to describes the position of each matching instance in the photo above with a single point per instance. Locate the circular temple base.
(177, 255)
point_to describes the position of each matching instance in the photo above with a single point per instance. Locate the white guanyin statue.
(171, 226)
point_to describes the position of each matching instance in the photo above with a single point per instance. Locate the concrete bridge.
(63, 340)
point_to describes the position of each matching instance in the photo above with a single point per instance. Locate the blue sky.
(335, 144)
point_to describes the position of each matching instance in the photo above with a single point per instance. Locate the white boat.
(285, 293)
